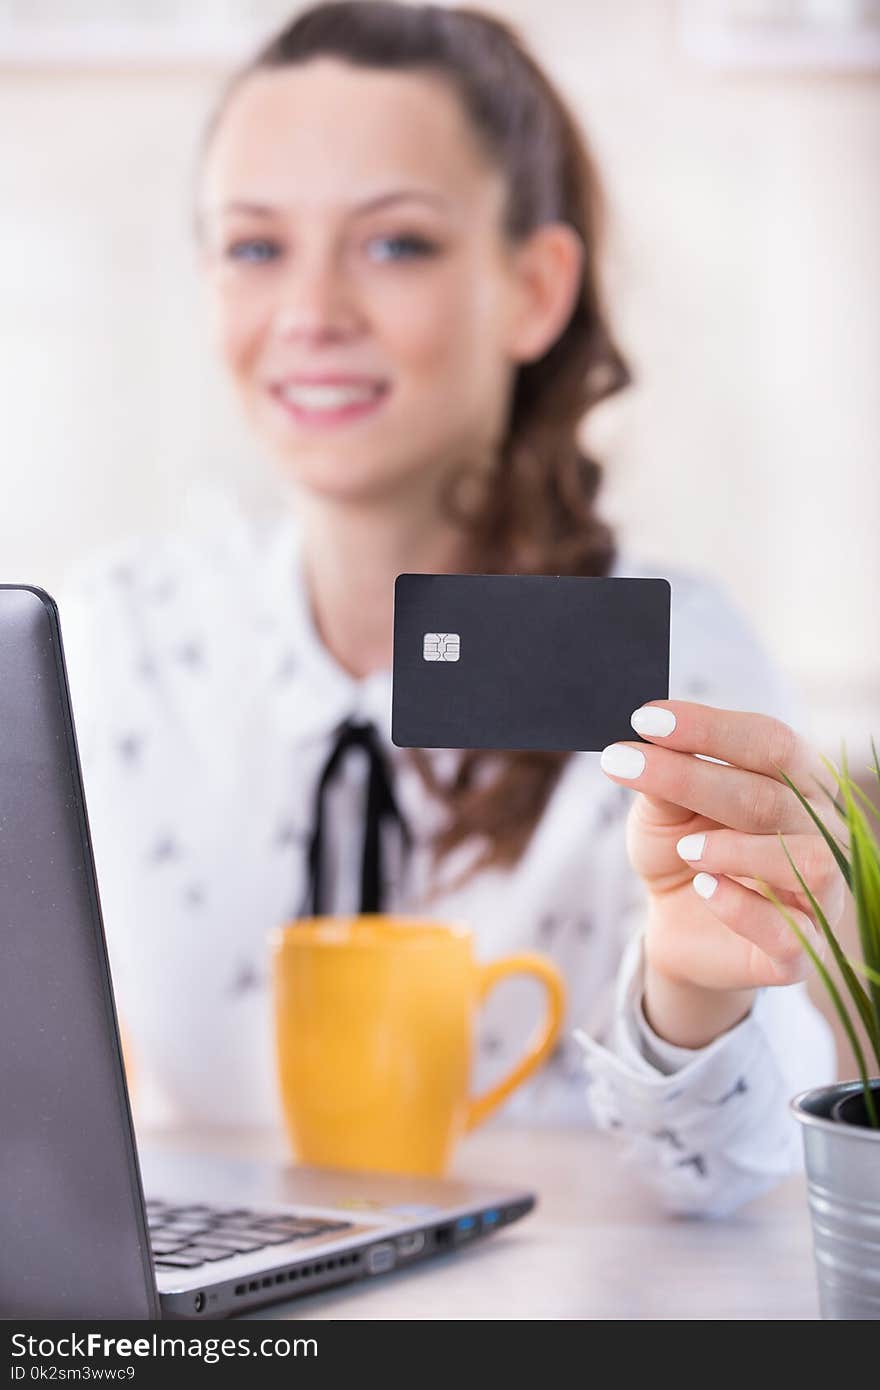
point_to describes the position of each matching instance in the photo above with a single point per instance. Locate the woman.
(398, 225)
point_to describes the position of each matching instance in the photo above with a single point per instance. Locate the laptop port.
(519, 1209)
(465, 1229)
(491, 1219)
(380, 1258)
(411, 1244)
(199, 1302)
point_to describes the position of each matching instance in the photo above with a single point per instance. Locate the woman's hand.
(700, 836)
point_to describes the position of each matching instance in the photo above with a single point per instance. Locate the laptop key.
(208, 1253)
(236, 1245)
(182, 1260)
(288, 1223)
(297, 1230)
(267, 1237)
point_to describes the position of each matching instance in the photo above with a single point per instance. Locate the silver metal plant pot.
(843, 1176)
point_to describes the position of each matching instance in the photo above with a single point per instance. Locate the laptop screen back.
(72, 1236)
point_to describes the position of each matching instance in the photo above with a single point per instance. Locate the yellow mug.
(374, 1021)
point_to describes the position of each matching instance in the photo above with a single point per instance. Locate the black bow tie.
(381, 806)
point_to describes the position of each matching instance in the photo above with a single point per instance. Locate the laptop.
(79, 1237)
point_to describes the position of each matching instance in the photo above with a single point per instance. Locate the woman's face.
(366, 299)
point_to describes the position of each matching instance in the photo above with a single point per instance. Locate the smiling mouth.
(319, 403)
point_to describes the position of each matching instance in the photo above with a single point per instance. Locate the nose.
(315, 305)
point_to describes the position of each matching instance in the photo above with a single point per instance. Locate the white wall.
(745, 279)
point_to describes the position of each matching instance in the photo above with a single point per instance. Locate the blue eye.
(253, 249)
(396, 248)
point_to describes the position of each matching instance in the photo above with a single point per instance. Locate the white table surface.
(597, 1245)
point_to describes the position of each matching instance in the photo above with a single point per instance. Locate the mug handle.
(489, 975)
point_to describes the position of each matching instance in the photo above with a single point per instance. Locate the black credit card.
(525, 661)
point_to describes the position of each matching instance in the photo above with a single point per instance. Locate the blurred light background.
(740, 144)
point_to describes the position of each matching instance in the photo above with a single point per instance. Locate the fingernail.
(705, 885)
(692, 846)
(622, 761)
(651, 719)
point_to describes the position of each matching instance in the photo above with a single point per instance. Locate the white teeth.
(328, 397)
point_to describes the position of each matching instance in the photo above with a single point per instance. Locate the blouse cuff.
(639, 1080)
(710, 1131)
(664, 1056)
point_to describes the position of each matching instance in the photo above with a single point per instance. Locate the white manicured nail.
(692, 846)
(622, 761)
(705, 885)
(650, 719)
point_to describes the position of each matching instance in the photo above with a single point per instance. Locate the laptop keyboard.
(183, 1237)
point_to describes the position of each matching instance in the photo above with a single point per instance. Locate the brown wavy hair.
(538, 513)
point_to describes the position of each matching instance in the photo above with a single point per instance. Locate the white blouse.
(205, 707)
